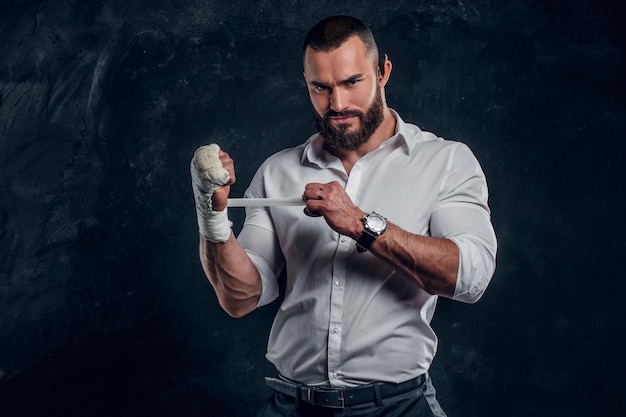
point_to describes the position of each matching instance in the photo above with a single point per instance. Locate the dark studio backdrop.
(104, 309)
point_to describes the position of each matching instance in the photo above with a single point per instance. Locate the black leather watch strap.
(366, 239)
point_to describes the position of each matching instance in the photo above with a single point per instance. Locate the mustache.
(344, 113)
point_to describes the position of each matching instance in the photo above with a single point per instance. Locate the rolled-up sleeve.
(257, 242)
(258, 238)
(463, 216)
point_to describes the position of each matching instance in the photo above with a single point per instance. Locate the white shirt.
(348, 318)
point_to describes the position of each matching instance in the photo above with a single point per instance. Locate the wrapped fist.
(207, 175)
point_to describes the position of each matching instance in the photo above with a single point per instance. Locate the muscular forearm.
(232, 274)
(431, 262)
(230, 271)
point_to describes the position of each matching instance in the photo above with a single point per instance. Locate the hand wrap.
(207, 175)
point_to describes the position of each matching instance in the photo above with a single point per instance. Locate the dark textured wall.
(104, 309)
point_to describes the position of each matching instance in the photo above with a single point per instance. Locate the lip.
(343, 119)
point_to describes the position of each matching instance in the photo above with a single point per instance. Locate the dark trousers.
(421, 402)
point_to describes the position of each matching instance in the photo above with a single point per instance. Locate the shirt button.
(338, 283)
(335, 330)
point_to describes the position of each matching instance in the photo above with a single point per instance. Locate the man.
(353, 330)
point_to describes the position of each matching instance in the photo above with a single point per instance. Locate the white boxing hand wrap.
(207, 175)
(214, 226)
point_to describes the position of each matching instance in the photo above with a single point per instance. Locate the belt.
(343, 397)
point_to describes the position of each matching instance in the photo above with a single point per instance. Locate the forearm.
(228, 267)
(433, 263)
(232, 274)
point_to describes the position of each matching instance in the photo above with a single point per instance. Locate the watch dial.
(377, 224)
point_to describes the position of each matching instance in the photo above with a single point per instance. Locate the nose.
(338, 100)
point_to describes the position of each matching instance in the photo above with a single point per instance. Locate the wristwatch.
(374, 225)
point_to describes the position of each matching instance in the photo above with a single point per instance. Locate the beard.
(340, 137)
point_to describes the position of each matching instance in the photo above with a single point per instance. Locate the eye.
(319, 88)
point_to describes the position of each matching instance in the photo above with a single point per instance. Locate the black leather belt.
(343, 397)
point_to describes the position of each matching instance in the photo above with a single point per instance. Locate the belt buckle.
(340, 398)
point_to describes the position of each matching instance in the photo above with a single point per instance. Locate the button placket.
(335, 325)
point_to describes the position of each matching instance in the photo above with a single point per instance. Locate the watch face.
(376, 223)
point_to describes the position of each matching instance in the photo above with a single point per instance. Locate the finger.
(229, 165)
(313, 191)
(225, 159)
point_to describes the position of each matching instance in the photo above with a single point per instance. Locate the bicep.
(462, 215)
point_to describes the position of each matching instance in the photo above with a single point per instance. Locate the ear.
(384, 71)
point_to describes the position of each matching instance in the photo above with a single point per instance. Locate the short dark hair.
(331, 32)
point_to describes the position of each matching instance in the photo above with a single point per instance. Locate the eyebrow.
(348, 80)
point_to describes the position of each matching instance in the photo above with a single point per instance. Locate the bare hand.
(331, 201)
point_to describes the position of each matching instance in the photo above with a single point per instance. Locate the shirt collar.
(405, 136)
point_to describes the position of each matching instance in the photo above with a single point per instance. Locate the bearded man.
(395, 217)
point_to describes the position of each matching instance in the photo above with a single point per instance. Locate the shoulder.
(421, 141)
(418, 140)
(427, 146)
